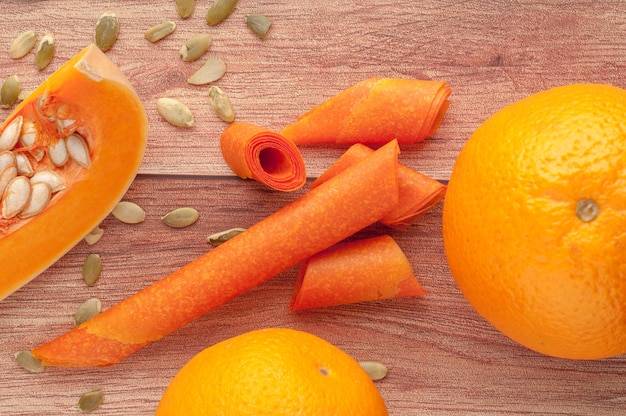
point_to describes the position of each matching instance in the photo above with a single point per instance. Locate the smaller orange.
(274, 371)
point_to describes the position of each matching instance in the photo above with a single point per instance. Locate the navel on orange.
(534, 221)
(273, 372)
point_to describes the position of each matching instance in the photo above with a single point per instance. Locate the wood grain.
(443, 358)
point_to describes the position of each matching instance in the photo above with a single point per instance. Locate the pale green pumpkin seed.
(92, 267)
(10, 91)
(180, 217)
(27, 360)
(195, 47)
(23, 44)
(107, 29)
(175, 112)
(45, 51)
(212, 70)
(221, 104)
(90, 401)
(129, 212)
(94, 236)
(220, 10)
(258, 24)
(185, 7)
(158, 32)
(223, 236)
(375, 370)
(87, 310)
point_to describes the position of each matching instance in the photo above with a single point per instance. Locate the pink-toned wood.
(443, 358)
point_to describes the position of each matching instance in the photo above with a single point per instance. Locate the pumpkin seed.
(158, 32)
(22, 44)
(39, 197)
(87, 310)
(57, 152)
(212, 70)
(6, 176)
(90, 401)
(10, 91)
(223, 236)
(92, 267)
(220, 10)
(7, 158)
(129, 212)
(94, 236)
(180, 217)
(24, 167)
(107, 29)
(195, 47)
(258, 24)
(56, 181)
(45, 51)
(376, 371)
(78, 150)
(15, 196)
(11, 134)
(221, 104)
(185, 7)
(175, 112)
(27, 360)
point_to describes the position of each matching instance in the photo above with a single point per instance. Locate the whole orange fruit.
(274, 371)
(534, 221)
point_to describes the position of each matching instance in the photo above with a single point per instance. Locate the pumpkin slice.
(83, 133)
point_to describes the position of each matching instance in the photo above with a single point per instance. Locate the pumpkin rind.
(114, 122)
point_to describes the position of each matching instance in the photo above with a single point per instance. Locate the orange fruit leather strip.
(418, 192)
(355, 271)
(375, 111)
(263, 155)
(324, 216)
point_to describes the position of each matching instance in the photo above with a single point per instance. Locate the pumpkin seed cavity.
(107, 29)
(223, 236)
(180, 217)
(90, 401)
(23, 44)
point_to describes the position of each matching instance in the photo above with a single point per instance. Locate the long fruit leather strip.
(263, 155)
(322, 217)
(355, 271)
(418, 192)
(375, 111)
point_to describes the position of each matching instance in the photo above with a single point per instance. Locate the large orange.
(534, 221)
(272, 372)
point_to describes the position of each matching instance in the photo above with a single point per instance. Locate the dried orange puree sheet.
(355, 271)
(324, 216)
(375, 111)
(418, 192)
(263, 155)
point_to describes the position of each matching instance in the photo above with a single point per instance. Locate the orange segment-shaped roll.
(375, 111)
(355, 271)
(418, 192)
(263, 155)
(324, 216)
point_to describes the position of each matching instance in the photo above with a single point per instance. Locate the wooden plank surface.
(443, 358)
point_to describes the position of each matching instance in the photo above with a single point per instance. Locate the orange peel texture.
(355, 271)
(254, 152)
(328, 214)
(375, 111)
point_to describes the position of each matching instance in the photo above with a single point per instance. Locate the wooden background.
(443, 358)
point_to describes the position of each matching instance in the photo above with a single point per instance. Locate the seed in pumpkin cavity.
(180, 217)
(11, 134)
(90, 401)
(28, 361)
(45, 51)
(24, 166)
(57, 151)
(7, 158)
(129, 212)
(78, 150)
(22, 44)
(39, 198)
(16, 196)
(87, 310)
(6, 176)
(107, 29)
(56, 181)
(212, 70)
(28, 133)
(94, 236)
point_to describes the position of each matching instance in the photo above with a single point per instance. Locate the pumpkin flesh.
(91, 98)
